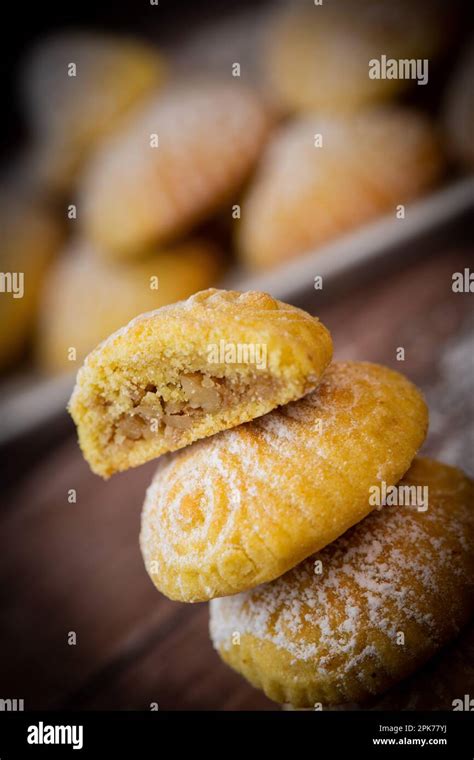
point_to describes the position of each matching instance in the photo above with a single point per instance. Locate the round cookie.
(247, 505)
(86, 298)
(189, 370)
(72, 109)
(303, 196)
(172, 166)
(459, 109)
(389, 594)
(317, 57)
(31, 237)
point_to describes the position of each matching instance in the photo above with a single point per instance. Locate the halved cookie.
(247, 505)
(192, 369)
(366, 611)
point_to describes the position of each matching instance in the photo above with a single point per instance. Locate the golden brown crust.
(136, 192)
(247, 505)
(390, 593)
(154, 352)
(303, 196)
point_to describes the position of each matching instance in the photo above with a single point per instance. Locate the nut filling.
(199, 395)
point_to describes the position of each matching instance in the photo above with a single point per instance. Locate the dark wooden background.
(77, 567)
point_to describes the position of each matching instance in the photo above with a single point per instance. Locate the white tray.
(366, 244)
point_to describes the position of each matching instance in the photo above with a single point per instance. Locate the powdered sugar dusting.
(227, 501)
(390, 572)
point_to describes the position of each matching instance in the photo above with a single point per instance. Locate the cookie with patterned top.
(245, 506)
(366, 611)
(192, 369)
(172, 166)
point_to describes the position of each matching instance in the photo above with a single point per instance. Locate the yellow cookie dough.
(30, 239)
(247, 505)
(172, 166)
(364, 166)
(77, 87)
(191, 369)
(86, 298)
(317, 56)
(383, 599)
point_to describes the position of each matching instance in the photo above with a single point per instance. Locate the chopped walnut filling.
(150, 413)
(178, 421)
(132, 427)
(201, 392)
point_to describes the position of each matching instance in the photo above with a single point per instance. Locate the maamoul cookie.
(459, 109)
(172, 165)
(317, 57)
(304, 195)
(391, 591)
(31, 237)
(188, 370)
(247, 505)
(71, 113)
(86, 298)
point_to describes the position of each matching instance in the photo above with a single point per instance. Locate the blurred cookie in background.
(86, 298)
(459, 109)
(77, 87)
(317, 56)
(172, 166)
(31, 237)
(323, 176)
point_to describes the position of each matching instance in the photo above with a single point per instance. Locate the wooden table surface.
(77, 567)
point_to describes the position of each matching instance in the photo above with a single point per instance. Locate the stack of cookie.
(272, 507)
